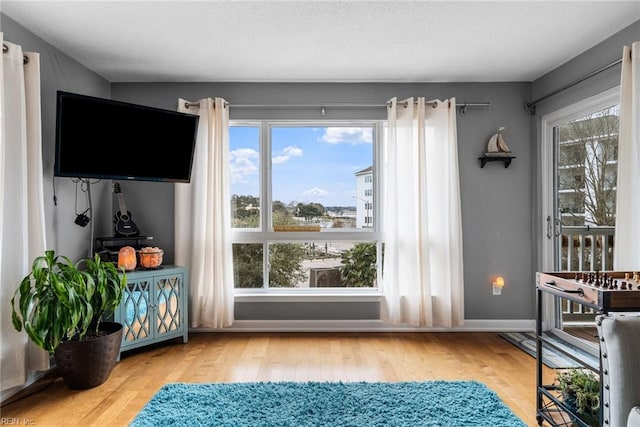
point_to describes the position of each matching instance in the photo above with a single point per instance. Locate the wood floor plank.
(248, 357)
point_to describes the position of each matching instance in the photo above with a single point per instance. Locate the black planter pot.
(88, 363)
(591, 419)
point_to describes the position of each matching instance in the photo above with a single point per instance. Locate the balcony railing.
(584, 249)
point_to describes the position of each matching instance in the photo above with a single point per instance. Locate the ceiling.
(322, 41)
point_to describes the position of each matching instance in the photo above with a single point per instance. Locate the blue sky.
(309, 164)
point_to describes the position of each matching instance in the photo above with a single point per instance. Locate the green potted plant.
(109, 283)
(61, 305)
(580, 390)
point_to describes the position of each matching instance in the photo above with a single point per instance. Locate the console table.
(154, 307)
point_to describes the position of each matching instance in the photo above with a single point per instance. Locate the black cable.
(55, 198)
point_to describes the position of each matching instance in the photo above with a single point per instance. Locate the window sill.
(369, 296)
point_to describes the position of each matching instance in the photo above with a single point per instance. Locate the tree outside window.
(587, 169)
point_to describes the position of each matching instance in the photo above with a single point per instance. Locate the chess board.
(601, 290)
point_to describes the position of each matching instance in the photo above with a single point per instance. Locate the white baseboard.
(472, 325)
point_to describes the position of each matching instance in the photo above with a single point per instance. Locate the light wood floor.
(243, 357)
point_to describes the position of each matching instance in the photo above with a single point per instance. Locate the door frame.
(552, 318)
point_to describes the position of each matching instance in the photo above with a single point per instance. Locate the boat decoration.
(497, 146)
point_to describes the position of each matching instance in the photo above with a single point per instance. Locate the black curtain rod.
(531, 106)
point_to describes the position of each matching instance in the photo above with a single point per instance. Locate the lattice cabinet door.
(167, 305)
(136, 310)
(154, 307)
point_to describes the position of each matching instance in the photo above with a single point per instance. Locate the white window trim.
(312, 296)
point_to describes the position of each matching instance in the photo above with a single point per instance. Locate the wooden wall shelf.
(506, 159)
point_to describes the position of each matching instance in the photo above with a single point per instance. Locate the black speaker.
(82, 220)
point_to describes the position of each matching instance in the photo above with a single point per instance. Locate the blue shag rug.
(357, 404)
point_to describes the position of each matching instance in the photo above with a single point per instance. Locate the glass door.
(580, 213)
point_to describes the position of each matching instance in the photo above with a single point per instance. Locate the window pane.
(322, 265)
(587, 169)
(244, 158)
(322, 177)
(248, 270)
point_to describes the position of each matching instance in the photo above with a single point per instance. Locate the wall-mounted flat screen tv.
(106, 139)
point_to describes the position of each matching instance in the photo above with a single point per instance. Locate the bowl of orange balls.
(150, 257)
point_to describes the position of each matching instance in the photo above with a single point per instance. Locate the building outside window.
(303, 206)
(586, 176)
(587, 169)
(364, 197)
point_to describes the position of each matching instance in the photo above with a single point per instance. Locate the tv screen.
(106, 139)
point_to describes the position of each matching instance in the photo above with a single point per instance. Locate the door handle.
(553, 284)
(558, 227)
(549, 227)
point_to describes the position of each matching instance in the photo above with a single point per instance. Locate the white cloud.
(348, 135)
(287, 153)
(243, 152)
(293, 151)
(315, 193)
(243, 162)
(279, 159)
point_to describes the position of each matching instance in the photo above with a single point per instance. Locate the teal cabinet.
(154, 307)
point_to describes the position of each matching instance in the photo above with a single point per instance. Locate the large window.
(304, 206)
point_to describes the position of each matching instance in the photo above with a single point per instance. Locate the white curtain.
(423, 270)
(22, 228)
(627, 248)
(203, 219)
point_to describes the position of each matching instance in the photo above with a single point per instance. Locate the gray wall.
(60, 72)
(496, 202)
(593, 59)
(499, 205)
